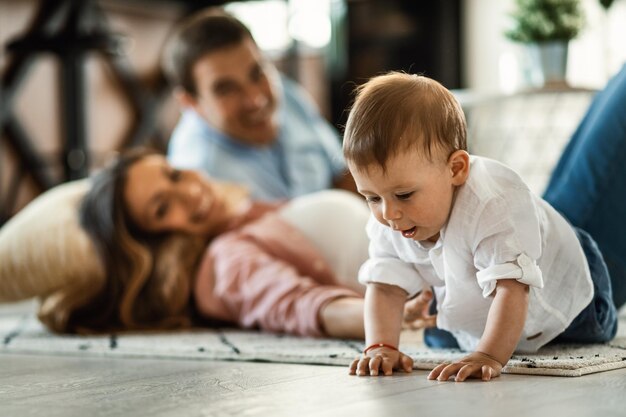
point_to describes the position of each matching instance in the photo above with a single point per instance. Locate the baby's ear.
(459, 164)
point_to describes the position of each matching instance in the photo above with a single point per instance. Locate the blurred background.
(80, 80)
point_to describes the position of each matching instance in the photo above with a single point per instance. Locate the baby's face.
(414, 196)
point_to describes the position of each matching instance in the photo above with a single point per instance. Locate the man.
(241, 121)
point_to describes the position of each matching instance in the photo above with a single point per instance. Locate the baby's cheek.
(379, 216)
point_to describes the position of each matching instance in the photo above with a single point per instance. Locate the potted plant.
(547, 26)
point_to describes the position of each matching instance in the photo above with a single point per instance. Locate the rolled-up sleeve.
(524, 269)
(384, 264)
(507, 249)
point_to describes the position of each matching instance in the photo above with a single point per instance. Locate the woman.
(175, 242)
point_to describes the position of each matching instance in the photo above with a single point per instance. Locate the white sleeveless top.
(334, 221)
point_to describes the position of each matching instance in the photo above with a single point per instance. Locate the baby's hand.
(381, 359)
(474, 365)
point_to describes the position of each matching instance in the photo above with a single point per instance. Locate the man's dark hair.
(197, 35)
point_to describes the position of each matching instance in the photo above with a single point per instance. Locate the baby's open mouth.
(409, 233)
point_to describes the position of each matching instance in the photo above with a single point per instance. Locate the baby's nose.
(391, 212)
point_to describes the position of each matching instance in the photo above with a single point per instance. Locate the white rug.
(22, 333)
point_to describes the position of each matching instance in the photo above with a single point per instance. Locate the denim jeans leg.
(597, 323)
(588, 185)
(437, 338)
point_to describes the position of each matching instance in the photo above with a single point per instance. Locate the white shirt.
(498, 229)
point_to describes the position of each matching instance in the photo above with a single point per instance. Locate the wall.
(493, 64)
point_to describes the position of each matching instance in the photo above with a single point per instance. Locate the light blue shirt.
(306, 156)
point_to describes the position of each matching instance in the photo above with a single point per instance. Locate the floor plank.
(53, 386)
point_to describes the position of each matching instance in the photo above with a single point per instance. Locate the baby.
(508, 271)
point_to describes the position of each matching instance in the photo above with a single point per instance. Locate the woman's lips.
(203, 209)
(409, 233)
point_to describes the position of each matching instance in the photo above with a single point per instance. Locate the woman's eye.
(175, 175)
(161, 210)
(372, 200)
(404, 196)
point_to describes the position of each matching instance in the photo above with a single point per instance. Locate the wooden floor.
(53, 386)
(62, 386)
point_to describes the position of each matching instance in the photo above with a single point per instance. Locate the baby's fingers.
(434, 374)
(487, 373)
(467, 371)
(449, 370)
(353, 366)
(387, 367)
(375, 365)
(363, 366)
(406, 362)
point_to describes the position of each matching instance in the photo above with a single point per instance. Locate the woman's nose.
(190, 193)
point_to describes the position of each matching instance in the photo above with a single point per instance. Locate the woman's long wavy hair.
(148, 277)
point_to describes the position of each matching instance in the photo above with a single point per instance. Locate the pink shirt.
(266, 275)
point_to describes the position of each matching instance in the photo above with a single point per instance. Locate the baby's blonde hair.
(396, 112)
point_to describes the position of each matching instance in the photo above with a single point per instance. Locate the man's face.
(235, 93)
(414, 196)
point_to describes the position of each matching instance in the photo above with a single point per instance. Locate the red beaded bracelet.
(379, 345)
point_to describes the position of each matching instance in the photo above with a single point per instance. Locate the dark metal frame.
(70, 30)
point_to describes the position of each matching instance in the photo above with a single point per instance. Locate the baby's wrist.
(378, 346)
(491, 357)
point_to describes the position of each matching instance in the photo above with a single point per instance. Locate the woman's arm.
(257, 289)
(343, 318)
(504, 327)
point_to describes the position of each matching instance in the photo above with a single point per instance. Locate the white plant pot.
(551, 60)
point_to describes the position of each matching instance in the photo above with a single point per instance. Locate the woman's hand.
(379, 360)
(475, 365)
(416, 315)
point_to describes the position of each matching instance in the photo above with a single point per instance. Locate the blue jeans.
(597, 323)
(588, 185)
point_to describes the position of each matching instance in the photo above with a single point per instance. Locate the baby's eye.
(372, 200)
(404, 196)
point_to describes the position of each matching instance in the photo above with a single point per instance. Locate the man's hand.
(474, 365)
(416, 314)
(381, 359)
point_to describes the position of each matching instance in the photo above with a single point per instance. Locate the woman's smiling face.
(160, 198)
